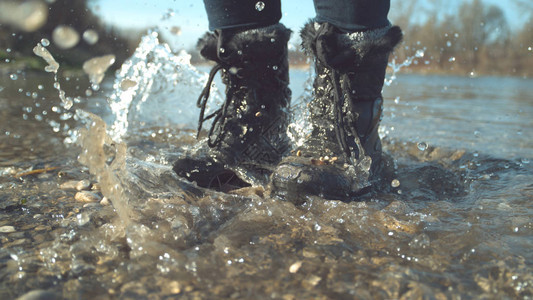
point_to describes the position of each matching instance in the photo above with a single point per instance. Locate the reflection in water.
(453, 219)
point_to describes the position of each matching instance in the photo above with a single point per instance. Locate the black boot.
(248, 135)
(342, 156)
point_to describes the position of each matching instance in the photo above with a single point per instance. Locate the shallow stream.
(89, 212)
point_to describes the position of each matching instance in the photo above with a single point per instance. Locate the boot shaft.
(347, 104)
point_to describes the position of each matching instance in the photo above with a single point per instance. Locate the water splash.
(96, 68)
(94, 142)
(396, 67)
(53, 66)
(300, 124)
(155, 86)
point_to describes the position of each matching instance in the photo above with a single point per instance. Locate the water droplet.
(45, 42)
(40, 87)
(90, 37)
(275, 68)
(525, 161)
(239, 52)
(422, 146)
(272, 40)
(260, 5)
(448, 43)
(395, 183)
(13, 77)
(65, 37)
(419, 53)
(397, 100)
(451, 59)
(221, 50)
(233, 70)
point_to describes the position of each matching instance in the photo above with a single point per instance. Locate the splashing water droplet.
(42, 52)
(233, 70)
(96, 68)
(275, 68)
(45, 42)
(90, 37)
(221, 50)
(397, 100)
(451, 59)
(525, 161)
(419, 53)
(260, 6)
(65, 37)
(422, 146)
(395, 183)
(13, 77)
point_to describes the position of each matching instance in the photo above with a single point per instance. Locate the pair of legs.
(350, 41)
(347, 15)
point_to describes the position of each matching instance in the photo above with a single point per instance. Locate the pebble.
(83, 185)
(78, 185)
(295, 267)
(7, 229)
(38, 295)
(86, 196)
(69, 185)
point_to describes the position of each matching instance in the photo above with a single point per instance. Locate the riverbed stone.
(7, 229)
(83, 185)
(69, 185)
(39, 295)
(87, 197)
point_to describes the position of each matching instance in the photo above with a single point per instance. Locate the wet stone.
(86, 196)
(83, 185)
(69, 185)
(7, 229)
(39, 295)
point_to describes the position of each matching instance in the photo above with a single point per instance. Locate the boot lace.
(223, 114)
(345, 118)
(219, 115)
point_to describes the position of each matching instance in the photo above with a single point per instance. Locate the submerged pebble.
(69, 185)
(7, 229)
(39, 295)
(86, 196)
(83, 185)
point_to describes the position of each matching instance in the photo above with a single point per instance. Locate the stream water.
(89, 207)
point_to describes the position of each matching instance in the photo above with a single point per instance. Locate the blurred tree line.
(19, 43)
(476, 39)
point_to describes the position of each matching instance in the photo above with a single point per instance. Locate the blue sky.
(191, 17)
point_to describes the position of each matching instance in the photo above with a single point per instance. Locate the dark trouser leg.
(353, 15)
(242, 14)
